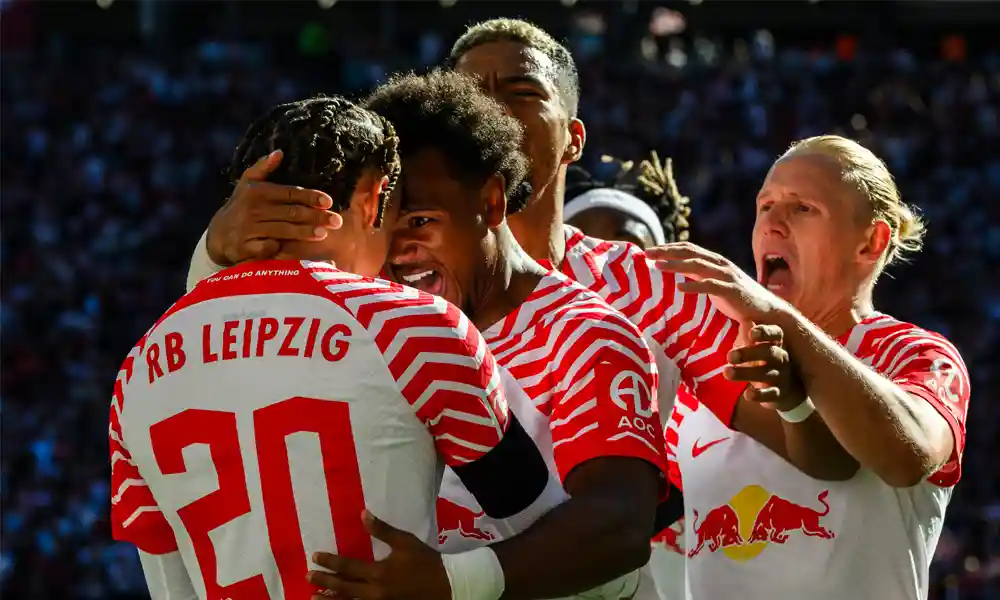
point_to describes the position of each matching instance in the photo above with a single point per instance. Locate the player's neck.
(506, 284)
(838, 317)
(538, 227)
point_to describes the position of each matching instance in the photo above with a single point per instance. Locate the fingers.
(763, 395)
(263, 167)
(265, 192)
(766, 375)
(696, 268)
(712, 287)
(767, 333)
(336, 586)
(685, 251)
(769, 353)
(381, 530)
(347, 569)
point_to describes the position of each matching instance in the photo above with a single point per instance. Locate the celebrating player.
(585, 380)
(262, 413)
(882, 430)
(535, 77)
(647, 212)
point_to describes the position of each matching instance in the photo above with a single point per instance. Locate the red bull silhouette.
(455, 518)
(721, 528)
(779, 517)
(670, 538)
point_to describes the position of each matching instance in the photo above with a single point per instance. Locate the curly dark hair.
(565, 76)
(446, 111)
(327, 142)
(653, 183)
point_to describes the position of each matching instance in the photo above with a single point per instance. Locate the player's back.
(274, 403)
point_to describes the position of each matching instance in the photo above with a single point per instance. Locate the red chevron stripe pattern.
(439, 360)
(921, 362)
(554, 345)
(689, 330)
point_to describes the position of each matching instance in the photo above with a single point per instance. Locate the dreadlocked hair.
(327, 141)
(446, 111)
(652, 182)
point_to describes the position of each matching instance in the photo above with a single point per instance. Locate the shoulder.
(891, 345)
(379, 305)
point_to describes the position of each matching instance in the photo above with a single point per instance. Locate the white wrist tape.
(799, 413)
(474, 575)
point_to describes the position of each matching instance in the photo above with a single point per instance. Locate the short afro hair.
(327, 143)
(447, 111)
(566, 78)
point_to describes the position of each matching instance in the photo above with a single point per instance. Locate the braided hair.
(327, 143)
(652, 182)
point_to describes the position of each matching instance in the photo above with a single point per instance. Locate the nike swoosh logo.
(697, 450)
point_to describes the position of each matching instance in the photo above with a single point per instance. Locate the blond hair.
(869, 176)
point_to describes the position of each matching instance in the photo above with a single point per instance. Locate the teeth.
(774, 286)
(414, 277)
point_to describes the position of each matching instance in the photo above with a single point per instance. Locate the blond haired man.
(840, 493)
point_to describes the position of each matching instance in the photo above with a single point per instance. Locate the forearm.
(881, 426)
(598, 535)
(809, 446)
(201, 266)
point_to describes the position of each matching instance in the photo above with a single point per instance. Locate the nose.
(774, 221)
(403, 247)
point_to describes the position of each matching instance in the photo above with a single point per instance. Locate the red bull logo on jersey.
(754, 518)
(455, 519)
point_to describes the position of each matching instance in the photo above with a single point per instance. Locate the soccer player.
(584, 381)
(647, 212)
(526, 70)
(265, 410)
(847, 495)
(535, 77)
(642, 206)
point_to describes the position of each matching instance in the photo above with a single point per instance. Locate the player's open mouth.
(425, 280)
(776, 275)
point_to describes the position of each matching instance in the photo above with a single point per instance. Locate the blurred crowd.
(111, 168)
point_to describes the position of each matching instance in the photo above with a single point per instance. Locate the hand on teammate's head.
(259, 215)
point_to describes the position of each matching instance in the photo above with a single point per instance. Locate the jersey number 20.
(330, 420)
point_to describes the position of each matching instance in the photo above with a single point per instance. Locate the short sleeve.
(451, 380)
(934, 371)
(135, 516)
(605, 403)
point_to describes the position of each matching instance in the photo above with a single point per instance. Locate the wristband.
(799, 413)
(474, 575)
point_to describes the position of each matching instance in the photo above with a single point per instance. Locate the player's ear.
(371, 189)
(876, 241)
(493, 196)
(577, 140)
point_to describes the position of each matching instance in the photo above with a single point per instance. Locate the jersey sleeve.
(201, 266)
(688, 328)
(135, 516)
(446, 372)
(604, 395)
(929, 367)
